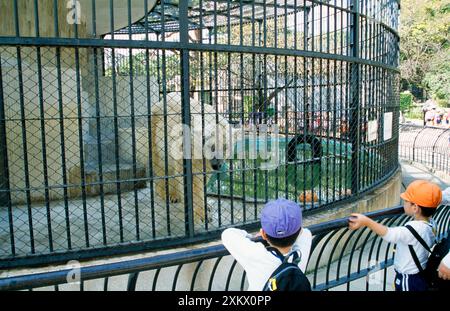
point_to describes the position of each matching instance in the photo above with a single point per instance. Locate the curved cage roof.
(212, 13)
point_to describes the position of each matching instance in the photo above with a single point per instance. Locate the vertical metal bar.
(210, 97)
(149, 124)
(366, 145)
(43, 132)
(24, 140)
(275, 22)
(213, 272)
(343, 124)
(186, 119)
(378, 91)
(295, 77)
(347, 117)
(328, 121)
(164, 90)
(242, 121)
(155, 279)
(116, 123)
(311, 23)
(354, 97)
(175, 278)
(320, 121)
(202, 112)
(132, 281)
(369, 108)
(275, 90)
(328, 29)
(61, 128)
(286, 29)
(133, 126)
(321, 29)
(313, 99)
(263, 97)
(197, 268)
(372, 90)
(335, 102)
(230, 112)
(306, 39)
(265, 23)
(98, 120)
(5, 190)
(230, 274)
(216, 96)
(264, 100)
(81, 140)
(253, 22)
(255, 103)
(286, 120)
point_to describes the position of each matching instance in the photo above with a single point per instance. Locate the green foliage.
(437, 80)
(425, 45)
(415, 113)
(406, 101)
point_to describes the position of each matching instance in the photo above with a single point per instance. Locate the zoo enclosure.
(81, 160)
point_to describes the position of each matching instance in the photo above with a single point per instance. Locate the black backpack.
(288, 276)
(430, 273)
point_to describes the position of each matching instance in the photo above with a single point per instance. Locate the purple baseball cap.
(281, 218)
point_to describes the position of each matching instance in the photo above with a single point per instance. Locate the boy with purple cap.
(281, 227)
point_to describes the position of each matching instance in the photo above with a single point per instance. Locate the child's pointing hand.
(357, 221)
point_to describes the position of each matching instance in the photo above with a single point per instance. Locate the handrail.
(430, 140)
(135, 266)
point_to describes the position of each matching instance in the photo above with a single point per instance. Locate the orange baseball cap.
(423, 193)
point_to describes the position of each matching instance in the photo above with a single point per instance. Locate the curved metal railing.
(426, 145)
(340, 260)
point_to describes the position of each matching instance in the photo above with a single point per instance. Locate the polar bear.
(208, 148)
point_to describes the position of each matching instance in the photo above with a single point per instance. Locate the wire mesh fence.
(127, 125)
(426, 145)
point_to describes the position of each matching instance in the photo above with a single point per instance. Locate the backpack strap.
(271, 283)
(295, 254)
(418, 238)
(416, 260)
(411, 249)
(276, 253)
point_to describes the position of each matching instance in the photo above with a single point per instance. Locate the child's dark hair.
(284, 242)
(427, 211)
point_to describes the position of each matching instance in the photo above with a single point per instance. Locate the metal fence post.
(186, 119)
(4, 176)
(434, 146)
(414, 144)
(354, 96)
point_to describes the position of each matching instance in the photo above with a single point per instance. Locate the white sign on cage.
(372, 131)
(387, 126)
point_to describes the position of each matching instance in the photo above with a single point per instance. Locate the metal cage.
(130, 125)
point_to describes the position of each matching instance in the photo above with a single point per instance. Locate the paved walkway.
(411, 172)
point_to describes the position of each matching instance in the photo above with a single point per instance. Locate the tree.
(425, 41)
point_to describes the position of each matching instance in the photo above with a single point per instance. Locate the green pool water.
(259, 178)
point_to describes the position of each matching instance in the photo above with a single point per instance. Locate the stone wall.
(23, 99)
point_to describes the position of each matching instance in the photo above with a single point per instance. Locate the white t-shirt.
(446, 260)
(258, 262)
(403, 261)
